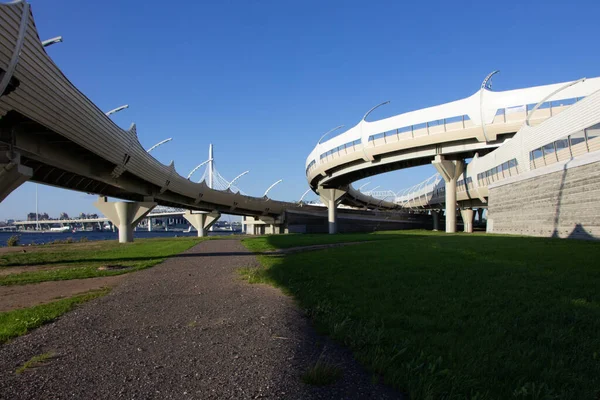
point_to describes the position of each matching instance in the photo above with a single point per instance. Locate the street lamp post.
(52, 41)
(158, 144)
(235, 179)
(328, 132)
(271, 187)
(198, 166)
(116, 110)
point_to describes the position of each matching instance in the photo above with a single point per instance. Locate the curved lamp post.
(271, 187)
(198, 166)
(52, 41)
(538, 105)
(158, 144)
(116, 110)
(364, 145)
(328, 132)
(236, 178)
(484, 85)
(373, 109)
(304, 195)
(362, 186)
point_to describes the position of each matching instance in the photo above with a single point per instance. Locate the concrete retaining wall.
(562, 201)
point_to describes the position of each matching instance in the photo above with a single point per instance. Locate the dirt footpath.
(187, 328)
(20, 296)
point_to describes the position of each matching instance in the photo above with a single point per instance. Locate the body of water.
(27, 238)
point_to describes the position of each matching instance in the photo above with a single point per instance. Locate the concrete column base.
(467, 217)
(331, 197)
(450, 170)
(202, 221)
(435, 215)
(125, 215)
(480, 215)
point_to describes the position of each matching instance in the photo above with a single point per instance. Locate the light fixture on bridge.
(486, 84)
(235, 179)
(373, 109)
(158, 144)
(198, 166)
(271, 187)
(116, 110)
(304, 195)
(362, 186)
(328, 132)
(52, 41)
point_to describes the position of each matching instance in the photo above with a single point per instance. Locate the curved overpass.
(443, 135)
(570, 136)
(53, 134)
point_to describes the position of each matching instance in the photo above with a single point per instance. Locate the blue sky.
(263, 80)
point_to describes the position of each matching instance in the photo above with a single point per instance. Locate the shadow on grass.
(457, 316)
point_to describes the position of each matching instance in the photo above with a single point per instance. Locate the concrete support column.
(125, 215)
(149, 224)
(331, 198)
(435, 214)
(450, 170)
(467, 217)
(13, 175)
(480, 214)
(202, 221)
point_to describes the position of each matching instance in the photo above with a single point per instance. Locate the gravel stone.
(187, 328)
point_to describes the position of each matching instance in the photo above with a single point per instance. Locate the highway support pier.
(202, 221)
(331, 198)
(125, 215)
(450, 170)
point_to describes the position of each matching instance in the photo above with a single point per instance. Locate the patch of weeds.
(254, 274)
(34, 362)
(19, 322)
(13, 241)
(322, 372)
(193, 324)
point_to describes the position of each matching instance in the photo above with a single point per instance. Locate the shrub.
(13, 240)
(84, 239)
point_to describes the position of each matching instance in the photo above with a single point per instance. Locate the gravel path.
(188, 328)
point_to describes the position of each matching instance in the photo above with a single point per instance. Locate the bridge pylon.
(124, 214)
(202, 220)
(450, 170)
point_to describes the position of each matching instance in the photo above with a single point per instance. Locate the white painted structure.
(447, 134)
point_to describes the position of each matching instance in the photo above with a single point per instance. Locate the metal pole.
(271, 187)
(196, 168)
(158, 144)
(327, 133)
(211, 166)
(37, 224)
(52, 41)
(114, 110)
(305, 193)
(235, 179)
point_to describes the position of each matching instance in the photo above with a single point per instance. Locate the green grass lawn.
(272, 242)
(454, 316)
(19, 322)
(82, 260)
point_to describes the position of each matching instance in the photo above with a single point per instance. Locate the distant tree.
(93, 216)
(44, 216)
(31, 217)
(82, 216)
(64, 215)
